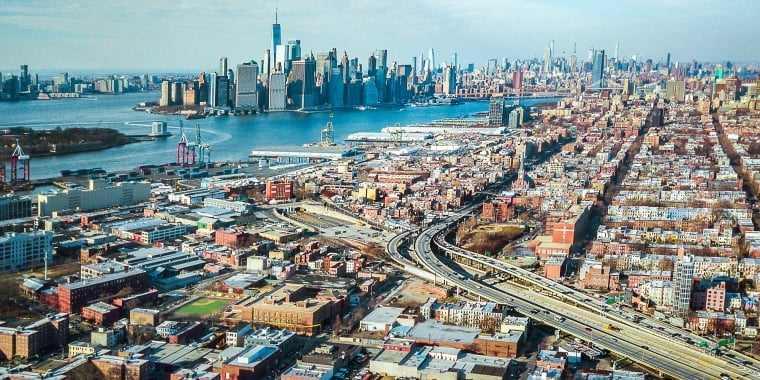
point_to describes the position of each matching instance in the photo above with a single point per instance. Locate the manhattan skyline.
(191, 35)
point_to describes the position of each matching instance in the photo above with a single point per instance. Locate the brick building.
(231, 237)
(101, 313)
(73, 296)
(29, 340)
(278, 190)
(290, 307)
(116, 368)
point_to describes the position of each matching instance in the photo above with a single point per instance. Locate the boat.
(193, 116)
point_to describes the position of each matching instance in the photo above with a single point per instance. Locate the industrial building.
(19, 251)
(98, 195)
(73, 296)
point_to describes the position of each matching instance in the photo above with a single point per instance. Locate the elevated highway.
(569, 310)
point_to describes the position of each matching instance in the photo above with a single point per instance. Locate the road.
(585, 317)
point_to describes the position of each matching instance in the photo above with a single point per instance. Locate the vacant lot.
(488, 238)
(203, 306)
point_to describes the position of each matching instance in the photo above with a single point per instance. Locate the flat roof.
(103, 279)
(383, 315)
(438, 331)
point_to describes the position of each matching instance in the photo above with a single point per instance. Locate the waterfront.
(231, 137)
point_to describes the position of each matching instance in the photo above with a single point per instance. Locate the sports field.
(202, 306)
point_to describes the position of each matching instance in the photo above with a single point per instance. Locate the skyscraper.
(371, 65)
(294, 50)
(454, 61)
(597, 70)
(282, 59)
(166, 97)
(682, 281)
(277, 91)
(246, 95)
(617, 51)
(547, 60)
(517, 80)
(301, 86)
(431, 58)
(223, 66)
(276, 39)
(382, 58)
(449, 80)
(267, 64)
(496, 110)
(222, 91)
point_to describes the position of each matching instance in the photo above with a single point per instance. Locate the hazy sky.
(191, 35)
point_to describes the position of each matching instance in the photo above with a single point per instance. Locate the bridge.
(635, 336)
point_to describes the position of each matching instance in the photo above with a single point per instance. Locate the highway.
(646, 341)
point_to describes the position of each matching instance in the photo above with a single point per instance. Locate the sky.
(191, 35)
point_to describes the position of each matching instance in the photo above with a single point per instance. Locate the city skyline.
(180, 36)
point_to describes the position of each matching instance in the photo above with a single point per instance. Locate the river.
(231, 137)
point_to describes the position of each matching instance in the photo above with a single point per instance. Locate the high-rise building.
(517, 80)
(370, 91)
(202, 88)
(597, 70)
(326, 61)
(491, 66)
(336, 87)
(301, 84)
(266, 67)
(371, 65)
(246, 95)
(675, 90)
(455, 61)
(382, 58)
(176, 93)
(682, 282)
(19, 251)
(190, 95)
(222, 91)
(213, 92)
(617, 51)
(223, 66)
(294, 50)
(276, 41)
(282, 59)
(166, 97)
(414, 66)
(431, 58)
(496, 110)
(277, 91)
(449, 80)
(547, 61)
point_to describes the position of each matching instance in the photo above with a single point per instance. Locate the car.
(746, 362)
(645, 347)
(725, 376)
(588, 329)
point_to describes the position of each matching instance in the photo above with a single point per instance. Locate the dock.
(305, 154)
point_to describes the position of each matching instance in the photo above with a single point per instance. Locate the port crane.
(204, 149)
(397, 134)
(19, 166)
(185, 149)
(328, 133)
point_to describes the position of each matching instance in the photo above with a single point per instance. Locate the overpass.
(584, 317)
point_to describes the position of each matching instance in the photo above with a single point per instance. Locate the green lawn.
(202, 306)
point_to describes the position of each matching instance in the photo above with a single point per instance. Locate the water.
(231, 137)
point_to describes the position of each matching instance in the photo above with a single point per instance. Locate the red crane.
(185, 150)
(19, 163)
